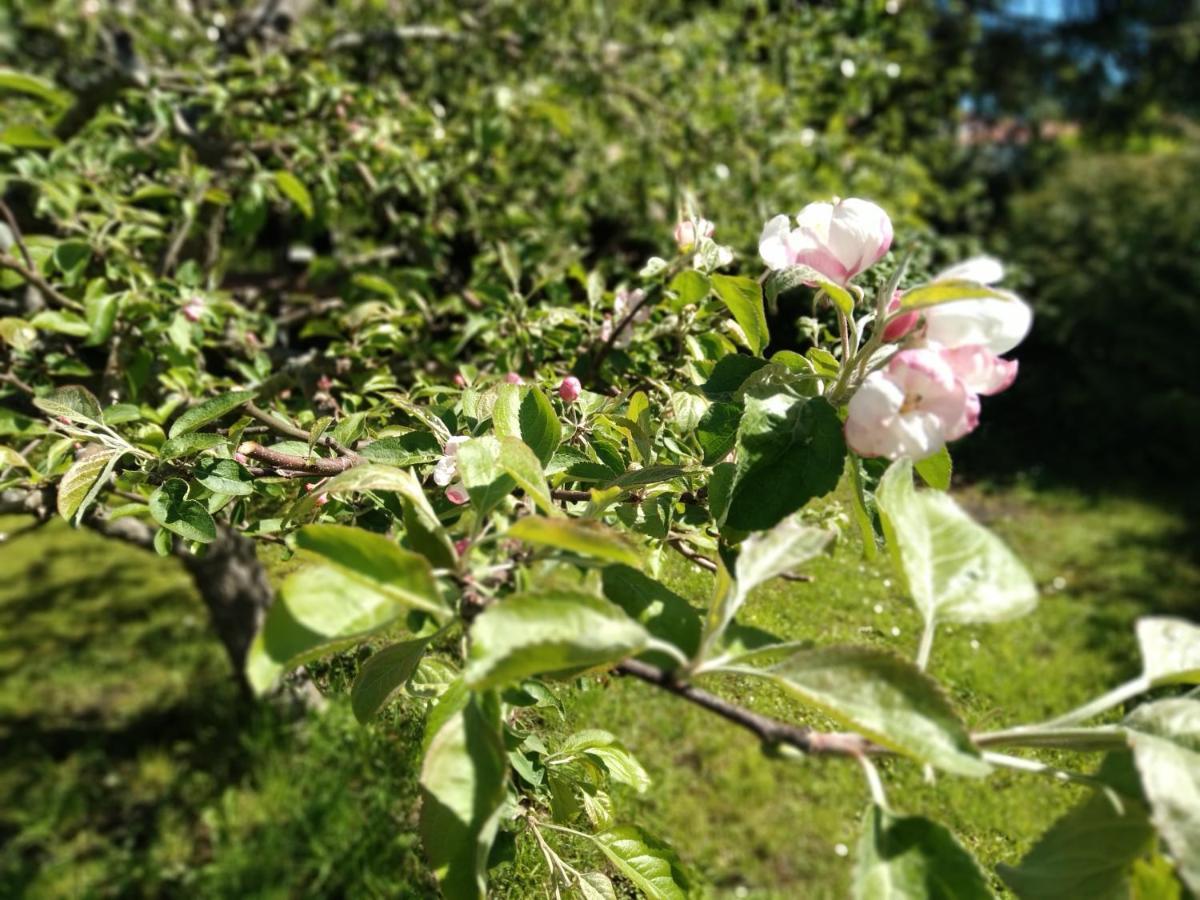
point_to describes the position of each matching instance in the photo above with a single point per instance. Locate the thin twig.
(294, 431)
(18, 237)
(770, 731)
(315, 465)
(626, 320)
(688, 553)
(35, 278)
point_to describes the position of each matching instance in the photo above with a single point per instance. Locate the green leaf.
(912, 858)
(382, 675)
(523, 467)
(32, 85)
(85, 473)
(622, 766)
(744, 298)
(71, 257)
(463, 781)
(362, 583)
(690, 286)
(412, 449)
(596, 886)
(793, 276)
(1170, 650)
(790, 451)
(1088, 852)
(224, 476)
(484, 478)
(73, 402)
(729, 374)
(936, 470)
(190, 444)
(61, 322)
(648, 862)
(762, 557)
(525, 413)
(662, 612)
(171, 508)
(938, 292)
(586, 537)
(885, 698)
(956, 570)
(717, 431)
(30, 137)
(100, 311)
(1165, 737)
(545, 633)
(292, 188)
(208, 411)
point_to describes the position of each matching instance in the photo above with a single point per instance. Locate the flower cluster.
(445, 473)
(927, 392)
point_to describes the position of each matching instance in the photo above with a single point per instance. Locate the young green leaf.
(1165, 737)
(595, 886)
(937, 292)
(463, 781)
(486, 480)
(224, 476)
(213, 408)
(885, 698)
(743, 297)
(956, 570)
(171, 508)
(790, 451)
(1170, 650)
(74, 403)
(1089, 851)
(583, 536)
(936, 470)
(293, 188)
(84, 479)
(33, 86)
(362, 584)
(648, 862)
(545, 633)
(912, 858)
(382, 675)
(523, 467)
(190, 444)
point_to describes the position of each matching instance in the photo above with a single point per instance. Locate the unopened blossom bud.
(457, 494)
(689, 232)
(462, 545)
(900, 326)
(324, 383)
(514, 378)
(193, 309)
(322, 499)
(570, 389)
(459, 381)
(839, 240)
(308, 486)
(240, 457)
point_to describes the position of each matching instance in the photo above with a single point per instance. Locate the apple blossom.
(689, 232)
(998, 324)
(900, 326)
(911, 408)
(514, 378)
(570, 389)
(839, 240)
(445, 472)
(980, 370)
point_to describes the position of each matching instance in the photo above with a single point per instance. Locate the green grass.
(129, 765)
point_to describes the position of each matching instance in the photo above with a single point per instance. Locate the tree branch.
(294, 431)
(770, 731)
(314, 465)
(35, 278)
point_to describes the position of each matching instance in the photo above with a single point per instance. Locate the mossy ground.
(130, 767)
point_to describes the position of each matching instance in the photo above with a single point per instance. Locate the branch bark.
(770, 731)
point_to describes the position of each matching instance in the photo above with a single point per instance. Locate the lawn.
(130, 766)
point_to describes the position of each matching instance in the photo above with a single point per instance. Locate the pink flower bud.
(461, 546)
(459, 381)
(193, 309)
(901, 325)
(322, 499)
(308, 486)
(324, 383)
(690, 232)
(570, 389)
(457, 494)
(840, 240)
(240, 458)
(514, 378)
